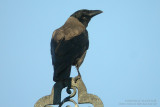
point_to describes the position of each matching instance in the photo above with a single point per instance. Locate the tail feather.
(61, 75)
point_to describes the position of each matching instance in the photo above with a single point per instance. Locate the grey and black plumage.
(70, 42)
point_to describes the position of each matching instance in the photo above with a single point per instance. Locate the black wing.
(67, 52)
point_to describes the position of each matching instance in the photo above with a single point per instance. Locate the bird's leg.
(79, 75)
(78, 71)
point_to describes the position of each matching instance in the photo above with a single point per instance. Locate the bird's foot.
(77, 78)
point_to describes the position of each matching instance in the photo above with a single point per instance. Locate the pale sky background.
(122, 63)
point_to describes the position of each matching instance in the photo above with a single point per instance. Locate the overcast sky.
(122, 63)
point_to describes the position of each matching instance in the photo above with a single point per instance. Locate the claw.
(77, 78)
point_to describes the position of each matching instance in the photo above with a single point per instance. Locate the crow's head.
(84, 16)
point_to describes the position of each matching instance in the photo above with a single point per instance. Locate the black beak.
(94, 12)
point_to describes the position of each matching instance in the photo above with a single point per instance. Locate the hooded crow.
(70, 42)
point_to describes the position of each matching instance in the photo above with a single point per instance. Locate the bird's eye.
(84, 17)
